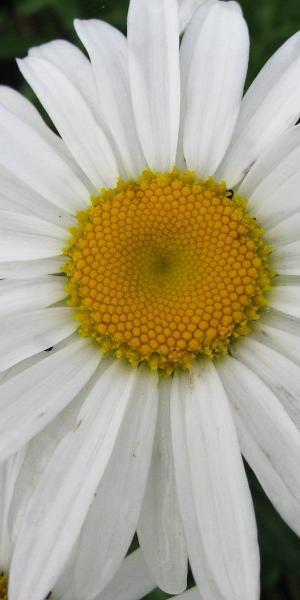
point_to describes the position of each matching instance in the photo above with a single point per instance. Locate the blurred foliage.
(26, 23)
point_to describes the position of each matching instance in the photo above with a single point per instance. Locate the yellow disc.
(167, 268)
(3, 587)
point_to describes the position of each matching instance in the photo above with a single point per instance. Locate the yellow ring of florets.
(3, 587)
(166, 268)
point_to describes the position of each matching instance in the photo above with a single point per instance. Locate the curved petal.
(272, 334)
(22, 108)
(16, 196)
(187, 48)
(160, 529)
(132, 582)
(73, 119)
(269, 439)
(38, 452)
(61, 500)
(30, 294)
(153, 43)
(23, 335)
(31, 399)
(8, 475)
(26, 111)
(286, 299)
(273, 177)
(17, 104)
(23, 237)
(74, 64)
(43, 168)
(215, 79)
(270, 106)
(113, 517)
(108, 52)
(284, 232)
(279, 373)
(213, 487)
(286, 261)
(186, 10)
(35, 358)
(31, 268)
(28, 362)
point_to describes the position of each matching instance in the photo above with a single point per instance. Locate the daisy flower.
(150, 302)
(132, 581)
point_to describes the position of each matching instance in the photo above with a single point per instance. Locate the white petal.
(17, 104)
(27, 362)
(279, 373)
(153, 42)
(43, 168)
(187, 49)
(286, 299)
(286, 260)
(78, 70)
(108, 52)
(23, 237)
(273, 183)
(281, 321)
(16, 196)
(34, 359)
(31, 268)
(8, 474)
(74, 64)
(30, 400)
(270, 106)
(29, 333)
(39, 451)
(160, 529)
(275, 336)
(284, 232)
(194, 539)
(62, 498)
(186, 10)
(113, 517)
(132, 582)
(214, 86)
(22, 108)
(269, 439)
(29, 294)
(212, 487)
(73, 119)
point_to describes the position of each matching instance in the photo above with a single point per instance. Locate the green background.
(25, 23)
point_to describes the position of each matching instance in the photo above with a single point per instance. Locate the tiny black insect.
(230, 193)
(48, 349)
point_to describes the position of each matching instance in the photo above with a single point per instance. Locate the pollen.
(166, 268)
(3, 587)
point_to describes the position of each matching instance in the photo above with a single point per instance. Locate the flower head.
(150, 256)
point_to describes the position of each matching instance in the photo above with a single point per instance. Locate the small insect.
(230, 193)
(49, 349)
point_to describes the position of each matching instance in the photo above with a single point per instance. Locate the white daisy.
(132, 582)
(166, 269)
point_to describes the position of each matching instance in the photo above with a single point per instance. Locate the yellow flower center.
(3, 587)
(166, 268)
